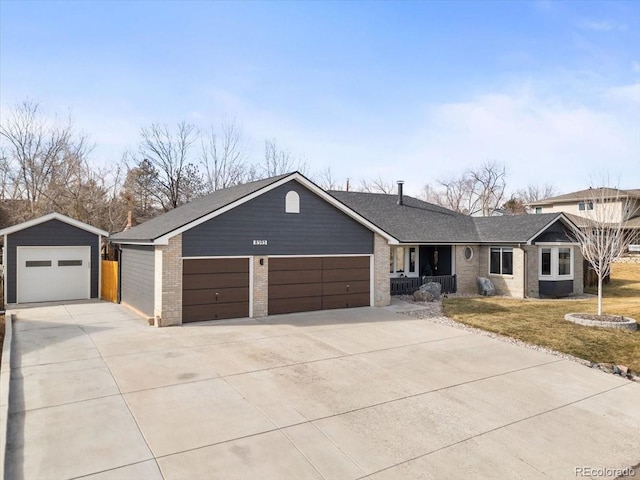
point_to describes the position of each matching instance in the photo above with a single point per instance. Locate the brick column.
(578, 271)
(171, 283)
(260, 287)
(532, 288)
(381, 279)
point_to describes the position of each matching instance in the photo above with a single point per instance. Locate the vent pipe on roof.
(400, 196)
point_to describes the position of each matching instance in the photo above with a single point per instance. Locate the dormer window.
(292, 202)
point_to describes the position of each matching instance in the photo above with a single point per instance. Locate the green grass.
(541, 322)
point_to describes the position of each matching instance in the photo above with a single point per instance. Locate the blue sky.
(403, 90)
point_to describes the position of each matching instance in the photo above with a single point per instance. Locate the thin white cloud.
(626, 93)
(602, 26)
(541, 140)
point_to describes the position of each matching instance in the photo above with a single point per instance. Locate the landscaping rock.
(419, 296)
(622, 370)
(433, 288)
(485, 287)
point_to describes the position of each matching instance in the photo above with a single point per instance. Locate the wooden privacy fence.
(109, 287)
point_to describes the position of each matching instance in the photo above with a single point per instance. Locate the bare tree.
(379, 185)
(279, 160)
(534, 193)
(224, 157)
(488, 186)
(327, 181)
(602, 235)
(35, 151)
(475, 192)
(178, 180)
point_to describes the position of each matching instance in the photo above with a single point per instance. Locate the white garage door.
(53, 273)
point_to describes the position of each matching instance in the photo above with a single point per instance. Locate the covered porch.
(413, 265)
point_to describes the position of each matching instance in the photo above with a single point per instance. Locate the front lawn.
(542, 322)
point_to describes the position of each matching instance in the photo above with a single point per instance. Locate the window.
(69, 263)
(585, 206)
(501, 261)
(403, 261)
(556, 263)
(538, 209)
(468, 253)
(292, 202)
(38, 263)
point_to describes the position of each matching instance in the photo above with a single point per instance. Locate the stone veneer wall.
(171, 287)
(381, 279)
(260, 287)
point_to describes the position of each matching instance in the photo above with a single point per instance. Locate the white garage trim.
(52, 287)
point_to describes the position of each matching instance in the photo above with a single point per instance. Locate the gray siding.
(319, 229)
(52, 233)
(137, 277)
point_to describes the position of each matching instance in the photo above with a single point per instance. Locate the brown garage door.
(213, 289)
(318, 283)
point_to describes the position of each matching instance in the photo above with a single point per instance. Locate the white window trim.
(555, 261)
(502, 249)
(406, 261)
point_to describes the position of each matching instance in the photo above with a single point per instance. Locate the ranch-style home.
(284, 244)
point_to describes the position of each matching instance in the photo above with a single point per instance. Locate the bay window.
(555, 263)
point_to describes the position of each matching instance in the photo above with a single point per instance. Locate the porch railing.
(408, 285)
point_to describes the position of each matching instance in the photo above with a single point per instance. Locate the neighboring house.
(284, 245)
(596, 203)
(51, 258)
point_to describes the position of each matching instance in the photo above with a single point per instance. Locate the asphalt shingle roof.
(413, 222)
(187, 213)
(421, 222)
(588, 194)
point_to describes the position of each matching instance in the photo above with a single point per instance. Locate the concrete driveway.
(348, 394)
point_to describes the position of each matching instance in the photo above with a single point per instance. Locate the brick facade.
(171, 284)
(260, 287)
(381, 279)
(467, 270)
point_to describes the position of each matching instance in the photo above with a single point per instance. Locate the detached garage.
(51, 258)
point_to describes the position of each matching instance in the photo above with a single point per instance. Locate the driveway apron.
(96, 393)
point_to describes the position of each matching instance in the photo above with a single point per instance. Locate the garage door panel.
(215, 280)
(200, 313)
(345, 275)
(327, 283)
(341, 288)
(216, 295)
(291, 305)
(302, 263)
(217, 265)
(215, 289)
(287, 277)
(53, 273)
(345, 301)
(295, 291)
(330, 263)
